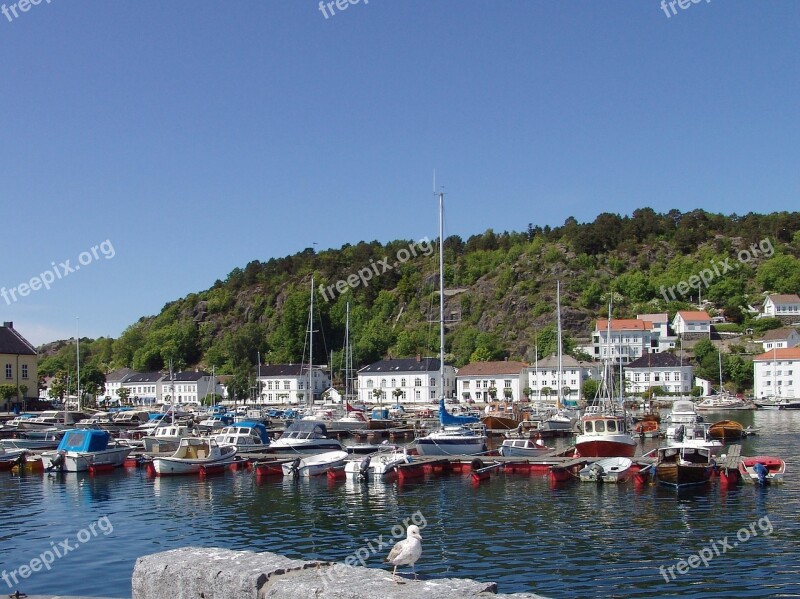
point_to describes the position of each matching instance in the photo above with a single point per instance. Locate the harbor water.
(571, 540)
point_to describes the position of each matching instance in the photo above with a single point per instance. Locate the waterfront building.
(689, 324)
(114, 382)
(288, 383)
(145, 388)
(542, 378)
(780, 338)
(776, 373)
(405, 380)
(478, 380)
(18, 360)
(660, 370)
(659, 327)
(191, 387)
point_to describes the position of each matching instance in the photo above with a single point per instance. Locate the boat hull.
(502, 423)
(77, 461)
(315, 465)
(443, 447)
(683, 475)
(594, 447)
(776, 468)
(726, 430)
(176, 466)
(610, 470)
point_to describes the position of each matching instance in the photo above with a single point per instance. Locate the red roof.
(624, 324)
(689, 315)
(790, 353)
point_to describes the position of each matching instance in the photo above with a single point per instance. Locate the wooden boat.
(726, 430)
(608, 470)
(683, 466)
(770, 471)
(193, 453)
(81, 449)
(647, 428)
(498, 422)
(314, 465)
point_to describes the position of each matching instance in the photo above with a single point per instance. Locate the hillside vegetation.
(500, 301)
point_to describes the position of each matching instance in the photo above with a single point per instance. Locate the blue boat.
(83, 449)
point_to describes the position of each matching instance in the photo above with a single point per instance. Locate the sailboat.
(456, 436)
(724, 400)
(605, 430)
(564, 419)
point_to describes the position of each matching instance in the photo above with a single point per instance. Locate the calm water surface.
(573, 540)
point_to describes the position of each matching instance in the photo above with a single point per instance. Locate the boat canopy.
(307, 426)
(447, 419)
(256, 426)
(84, 440)
(380, 414)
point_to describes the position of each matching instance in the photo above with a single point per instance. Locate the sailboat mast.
(441, 292)
(559, 346)
(348, 387)
(311, 345)
(78, 362)
(171, 391)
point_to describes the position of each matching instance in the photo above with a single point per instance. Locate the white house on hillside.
(474, 381)
(630, 339)
(777, 305)
(687, 322)
(780, 338)
(416, 378)
(777, 373)
(659, 326)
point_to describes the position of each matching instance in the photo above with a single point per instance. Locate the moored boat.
(81, 449)
(523, 448)
(683, 466)
(165, 438)
(9, 457)
(379, 466)
(608, 470)
(683, 413)
(649, 429)
(247, 436)
(762, 470)
(604, 436)
(314, 465)
(726, 430)
(306, 436)
(192, 454)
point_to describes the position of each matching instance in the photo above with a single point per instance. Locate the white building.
(144, 387)
(542, 378)
(777, 373)
(506, 378)
(692, 323)
(777, 305)
(114, 382)
(659, 326)
(190, 387)
(288, 383)
(416, 378)
(780, 339)
(630, 339)
(662, 370)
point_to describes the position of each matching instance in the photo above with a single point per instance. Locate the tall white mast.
(311, 345)
(348, 359)
(559, 347)
(78, 360)
(441, 292)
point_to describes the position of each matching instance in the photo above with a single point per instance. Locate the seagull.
(407, 551)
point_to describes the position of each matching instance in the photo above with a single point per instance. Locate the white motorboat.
(192, 454)
(165, 438)
(683, 413)
(724, 402)
(696, 435)
(608, 470)
(246, 436)
(452, 440)
(378, 466)
(52, 419)
(81, 449)
(39, 440)
(306, 436)
(9, 456)
(314, 465)
(523, 448)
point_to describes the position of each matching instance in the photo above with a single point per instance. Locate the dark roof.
(778, 334)
(189, 375)
(403, 365)
(119, 376)
(283, 370)
(145, 377)
(662, 360)
(13, 343)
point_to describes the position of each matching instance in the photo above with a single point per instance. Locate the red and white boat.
(604, 436)
(771, 473)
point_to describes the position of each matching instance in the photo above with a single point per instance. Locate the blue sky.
(198, 136)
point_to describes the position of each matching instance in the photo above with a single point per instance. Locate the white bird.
(407, 551)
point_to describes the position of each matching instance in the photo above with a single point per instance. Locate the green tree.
(779, 274)
(123, 393)
(589, 389)
(7, 392)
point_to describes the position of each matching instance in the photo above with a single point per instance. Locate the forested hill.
(500, 292)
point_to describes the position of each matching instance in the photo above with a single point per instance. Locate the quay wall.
(212, 573)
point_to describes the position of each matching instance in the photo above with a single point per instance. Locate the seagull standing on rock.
(407, 551)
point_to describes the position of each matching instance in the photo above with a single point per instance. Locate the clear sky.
(196, 136)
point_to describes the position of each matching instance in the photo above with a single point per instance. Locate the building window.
(417, 395)
(402, 382)
(8, 371)
(286, 385)
(394, 383)
(433, 383)
(383, 382)
(369, 383)
(24, 371)
(466, 384)
(418, 382)
(433, 394)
